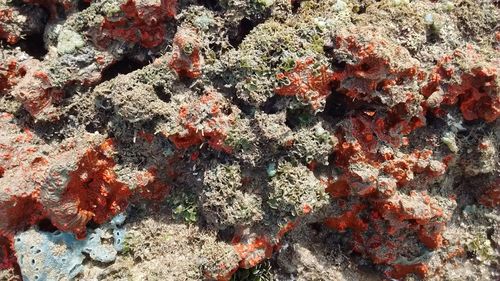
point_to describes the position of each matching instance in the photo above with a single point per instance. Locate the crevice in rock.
(271, 106)
(297, 118)
(83, 4)
(33, 45)
(295, 5)
(46, 225)
(226, 234)
(210, 4)
(244, 28)
(124, 66)
(161, 94)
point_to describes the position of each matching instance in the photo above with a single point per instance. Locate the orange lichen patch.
(7, 15)
(404, 168)
(348, 150)
(366, 169)
(139, 23)
(475, 90)
(224, 272)
(391, 218)
(363, 134)
(491, 198)
(93, 191)
(186, 141)
(9, 75)
(380, 70)
(458, 252)
(373, 173)
(381, 249)
(252, 250)
(309, 82)
(186, 58)
(349, 219)
(396, 124)
(401, 270)
(431, 235)
(209, 118)
(421, 211)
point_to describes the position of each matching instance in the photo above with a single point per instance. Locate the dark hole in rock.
(162, 95)
(92, 224)
(226, 234)
(92, 127)
(83, 4)
(300, 117)
(339, 65)
(244, 106)
(337, 105)
(61, 12)
(124, 66)
(365, 67)
(317, 227)
(432, 35)
(489, 233)
(244, 29)
(210, 4)
(33, 45)
(46, 225)
(361, 9)
(434, 121)
(271, 105)
(470, 255)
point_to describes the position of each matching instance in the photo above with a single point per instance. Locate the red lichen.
(93, 191)
(186, 58)
(475, 90)
(308, 82)
(380, 71)
(338, 188)
(252, 249)
(401, 270)
(208, 118)
(138, 23)
(383, 219)
(349, 219)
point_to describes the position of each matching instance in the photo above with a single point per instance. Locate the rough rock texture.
(249, 140)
